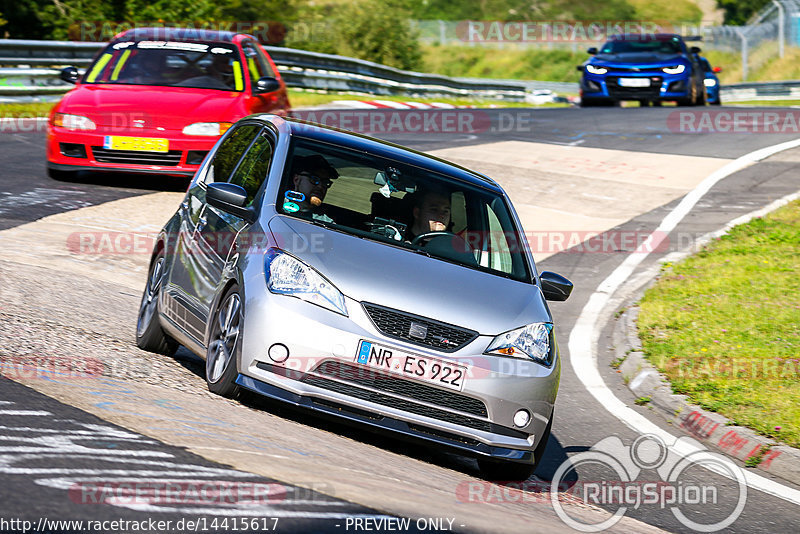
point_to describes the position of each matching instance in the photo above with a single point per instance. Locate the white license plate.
(410, 365)
(634, 82)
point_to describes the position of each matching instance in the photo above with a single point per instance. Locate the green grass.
(30, 109)
(724, 325)
(299, 99)
(779, 103)
(506, 63)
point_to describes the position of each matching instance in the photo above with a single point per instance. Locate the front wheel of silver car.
(224, 346)
(511, 471)
(149, 334)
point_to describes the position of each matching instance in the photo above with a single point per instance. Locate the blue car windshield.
(671, 46)
(403, 205)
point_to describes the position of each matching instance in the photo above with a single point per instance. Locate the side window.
(257, 64)
(253, 169)
(230, 151)
(499, 250)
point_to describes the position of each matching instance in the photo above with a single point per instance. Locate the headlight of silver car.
(591, 69)
(529, 342)
(286, 275)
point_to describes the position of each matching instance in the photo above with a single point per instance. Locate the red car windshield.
(203, 65)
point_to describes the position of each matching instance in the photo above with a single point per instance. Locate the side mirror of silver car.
(554, 286)
(230, 198)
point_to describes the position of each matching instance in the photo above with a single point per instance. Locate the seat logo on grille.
(418, 330)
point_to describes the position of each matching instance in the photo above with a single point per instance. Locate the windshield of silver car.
(403, 205)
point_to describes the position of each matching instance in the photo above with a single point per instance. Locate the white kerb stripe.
(585, 334)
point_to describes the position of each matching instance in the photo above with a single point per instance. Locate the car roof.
(175, 34)
(645, 37)
(336, 136)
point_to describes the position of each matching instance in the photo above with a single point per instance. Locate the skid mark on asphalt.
(60, 199)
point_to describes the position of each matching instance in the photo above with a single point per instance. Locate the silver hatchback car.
(364, 280)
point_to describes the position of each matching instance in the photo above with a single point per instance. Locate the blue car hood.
(370, 271)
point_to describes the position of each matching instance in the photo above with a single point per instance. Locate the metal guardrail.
(299, 68)
(310, 70)
(746, 91)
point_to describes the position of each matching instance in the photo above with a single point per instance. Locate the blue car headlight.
(286, 275)
(533, 341)
(591, 69)
(677, 69)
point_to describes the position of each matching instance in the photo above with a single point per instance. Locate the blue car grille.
(616, 90)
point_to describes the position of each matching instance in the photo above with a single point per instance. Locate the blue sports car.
(711, 82)
(647, 68)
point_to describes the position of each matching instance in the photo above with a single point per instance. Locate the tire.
(702, 98)
(149, 334)
(513, 471)
(717, 102)
(225, 345)
(691, 100)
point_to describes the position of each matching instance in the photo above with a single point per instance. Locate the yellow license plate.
(138, 144)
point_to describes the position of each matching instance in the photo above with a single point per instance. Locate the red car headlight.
(74, 122)
(207, 128)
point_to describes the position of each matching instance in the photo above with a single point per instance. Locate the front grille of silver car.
(368, 378)
(408, 327)
(134, 157)
(397, 402)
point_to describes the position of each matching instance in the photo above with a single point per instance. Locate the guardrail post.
(781, 25)
(743, 36)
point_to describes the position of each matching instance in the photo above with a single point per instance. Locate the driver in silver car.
(431, 213)
(313, 176)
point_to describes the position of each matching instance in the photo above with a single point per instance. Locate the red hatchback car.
(156, 100)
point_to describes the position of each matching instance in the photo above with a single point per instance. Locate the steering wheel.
(429, 235)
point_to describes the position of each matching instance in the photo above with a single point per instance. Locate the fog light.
(195, 157)
(278, 353)
(522, 418)
(72, 150)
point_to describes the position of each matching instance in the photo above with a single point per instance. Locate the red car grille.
(132, 157)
